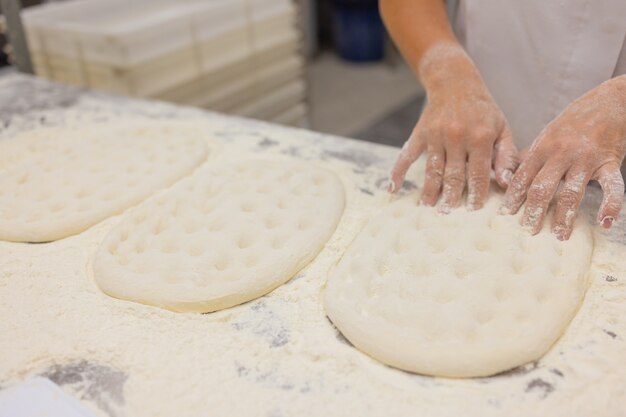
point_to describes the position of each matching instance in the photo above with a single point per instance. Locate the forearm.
(417, 25)
(421, 30)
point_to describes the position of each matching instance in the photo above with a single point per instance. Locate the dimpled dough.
(463, 295)
(224, 236)
(58, 182)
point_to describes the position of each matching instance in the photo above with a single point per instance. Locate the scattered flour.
(279, 355)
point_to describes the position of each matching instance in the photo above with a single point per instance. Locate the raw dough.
(224, 236)
(463, 295)
(57, 182)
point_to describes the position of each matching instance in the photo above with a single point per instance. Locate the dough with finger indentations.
(466, 294)
(226, 235)
(58, 182)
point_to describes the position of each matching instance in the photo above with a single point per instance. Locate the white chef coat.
(537, 56)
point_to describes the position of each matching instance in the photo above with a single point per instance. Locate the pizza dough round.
(222, 237)
(58, 182)
(466, 294)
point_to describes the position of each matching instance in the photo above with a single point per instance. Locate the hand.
(585, 142)
(462, 130)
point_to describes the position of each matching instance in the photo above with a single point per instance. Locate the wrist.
(447, 66)
(620, 85)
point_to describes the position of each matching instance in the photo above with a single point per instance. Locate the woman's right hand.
(462, 130)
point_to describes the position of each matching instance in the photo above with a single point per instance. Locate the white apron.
(537, 56)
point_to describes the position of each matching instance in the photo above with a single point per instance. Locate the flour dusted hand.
(586, 142)
(462, 130)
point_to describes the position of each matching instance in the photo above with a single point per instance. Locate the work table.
(277, 355)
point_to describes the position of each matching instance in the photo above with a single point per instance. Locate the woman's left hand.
(587, 141)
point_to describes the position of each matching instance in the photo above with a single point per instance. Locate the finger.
(568, 200)
(522, 155)
(411, 150)
(453, 180)
(518, 186)
(434, 175)
(539, 195)
(478, 173)
(612, 183)
(506, 158)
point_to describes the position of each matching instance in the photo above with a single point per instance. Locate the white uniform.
(537, 56)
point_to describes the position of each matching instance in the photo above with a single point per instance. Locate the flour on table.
(224, 236)
(57, 182)
(278, 355)
(462, 295)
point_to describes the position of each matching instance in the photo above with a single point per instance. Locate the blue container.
(359, 30)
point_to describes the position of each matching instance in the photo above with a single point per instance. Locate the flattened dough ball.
(222, 237)
(58, 182)
(462, 295)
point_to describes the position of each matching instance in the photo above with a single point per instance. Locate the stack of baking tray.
(235, 56)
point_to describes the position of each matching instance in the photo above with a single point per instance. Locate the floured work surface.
(228, 234)
(56, 182)
(461, 295)
(278, 355)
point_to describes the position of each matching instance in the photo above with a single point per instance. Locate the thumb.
(523, 154)
(411, 150)
(612, 184)
(505, 158)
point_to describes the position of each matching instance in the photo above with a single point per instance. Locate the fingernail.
(507, 174)
(391, 187)
(560, 231)
(504, 210)
(607, 222)
(527, 228)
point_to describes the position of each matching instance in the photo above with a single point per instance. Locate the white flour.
(279, 355)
